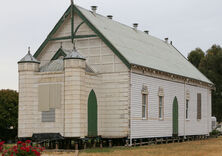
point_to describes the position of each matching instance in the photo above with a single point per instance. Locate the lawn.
(210, 147)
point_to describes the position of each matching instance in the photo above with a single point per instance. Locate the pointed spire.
(28, 58)
(74, 54)
(29, 50)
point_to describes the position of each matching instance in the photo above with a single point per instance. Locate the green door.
(175, 117)
(92, 115)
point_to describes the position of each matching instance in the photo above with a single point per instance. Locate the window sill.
(187, 119)
(144, 118)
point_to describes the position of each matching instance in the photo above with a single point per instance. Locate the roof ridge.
(133, 48)
(123, 24)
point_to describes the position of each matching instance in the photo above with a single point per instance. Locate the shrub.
(215, 133)
(1, 146)
(22, 149)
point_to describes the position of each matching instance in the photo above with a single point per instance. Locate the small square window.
(48, 116)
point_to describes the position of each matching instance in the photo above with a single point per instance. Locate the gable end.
(59, 53)
(101, 36)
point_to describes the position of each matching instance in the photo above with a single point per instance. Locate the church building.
(95, 77)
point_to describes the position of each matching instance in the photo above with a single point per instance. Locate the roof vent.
(135, 26)
(166, 40)
(110, 16)
(146, 31)
(94, 8)
(171, 42)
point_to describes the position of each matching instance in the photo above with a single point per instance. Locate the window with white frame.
(161, 107)
(144, 102)
(144, 106)
(161, 102)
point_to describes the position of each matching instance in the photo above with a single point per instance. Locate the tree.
(211, 66)
(195, 57)
(8, 114)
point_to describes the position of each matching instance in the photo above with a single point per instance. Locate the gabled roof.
(67, 54)
(53, 66)
(60, 52)
(144, 50)
(135, 47)
(57, 64)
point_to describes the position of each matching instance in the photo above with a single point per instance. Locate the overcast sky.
(188, 23)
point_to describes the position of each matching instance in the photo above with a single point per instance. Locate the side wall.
(153, 127)
(193, 126)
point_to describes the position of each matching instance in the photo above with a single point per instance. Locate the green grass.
(107, 150)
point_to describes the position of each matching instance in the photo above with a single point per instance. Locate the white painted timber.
(153, 126)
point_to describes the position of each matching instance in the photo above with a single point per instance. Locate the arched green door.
(175, 117)
(92, 115)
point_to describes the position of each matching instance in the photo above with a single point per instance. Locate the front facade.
(101, 88)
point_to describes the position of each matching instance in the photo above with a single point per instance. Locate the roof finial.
(28, 50)
(72, 2)
(74, 45)
(61, 45)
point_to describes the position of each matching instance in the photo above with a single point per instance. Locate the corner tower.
(74, 70)
(27, 68)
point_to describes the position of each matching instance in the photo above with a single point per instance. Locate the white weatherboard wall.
(153, 127)
(192, 125)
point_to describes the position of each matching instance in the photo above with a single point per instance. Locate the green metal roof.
(133, 47)
(141, 49)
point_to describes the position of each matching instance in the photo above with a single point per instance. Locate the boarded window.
(43, 97)
(198, 106)
(187, 109)
(49, 96)
(144, 106)
(48, 116)
(161, 107)
(49, 100)
(54, 95)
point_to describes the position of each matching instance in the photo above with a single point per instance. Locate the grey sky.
(188, 23)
